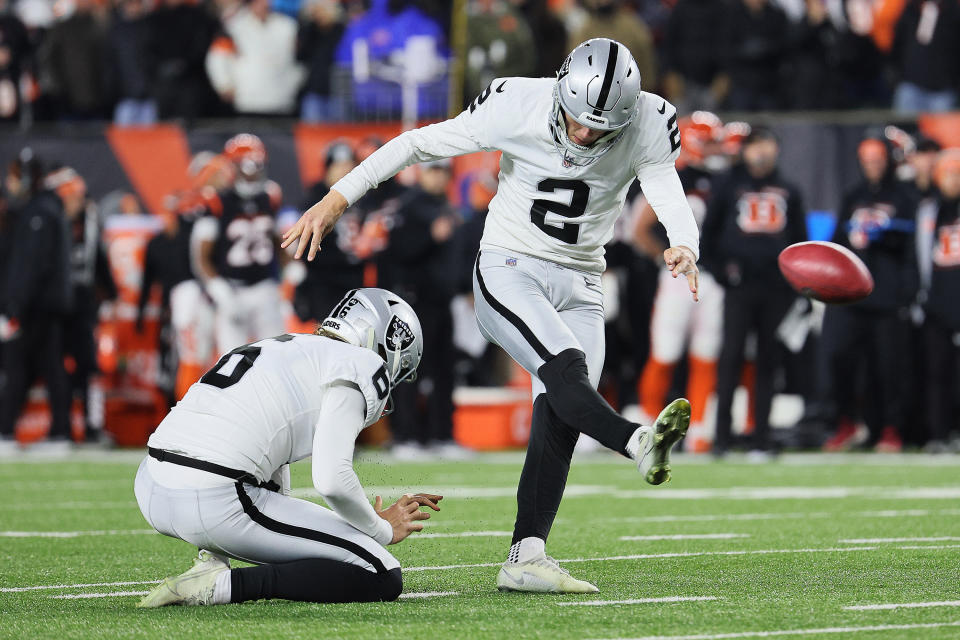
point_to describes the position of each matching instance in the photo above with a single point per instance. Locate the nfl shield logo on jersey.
(511, 262)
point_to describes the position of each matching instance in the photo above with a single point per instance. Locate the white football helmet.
(383, 322)
(598, 86)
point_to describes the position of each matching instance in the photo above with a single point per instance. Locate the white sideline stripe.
(74, 596)
(696, 554)
(463, 534)
(882, 540)
(805, 632)
(428, 594)
(76, 586)
(601, 603)
(905, 605)
(76, 534)
(691, 536)
(794, 493)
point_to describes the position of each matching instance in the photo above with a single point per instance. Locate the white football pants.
(534, 309)
(253, 524)
(256, 312)
(192, 317)
(677, 319)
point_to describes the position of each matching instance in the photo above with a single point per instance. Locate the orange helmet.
(697, 132)
(247, 152)
(733, 136)
(208, 169)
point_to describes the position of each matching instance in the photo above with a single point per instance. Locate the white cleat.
(540, 575)
(192, 587)
(653, 444)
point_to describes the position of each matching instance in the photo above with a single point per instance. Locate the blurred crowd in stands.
(137, 61)
(881, 373)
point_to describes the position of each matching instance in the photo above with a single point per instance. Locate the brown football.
(825, 271)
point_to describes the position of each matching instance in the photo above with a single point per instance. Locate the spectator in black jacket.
(71, 59)
(320, 31)
(184, 32)
(423, 270)
(129, 67)
(754, 47)
(865, 340)
(754, 214)
(92, 283)
(37, 295)
(337, 268)
(940, 266)
(926, 50)
(14, 49)
(693, 55)
(167, 263)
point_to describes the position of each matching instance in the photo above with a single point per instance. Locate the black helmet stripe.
(344, 301)
(607, 79)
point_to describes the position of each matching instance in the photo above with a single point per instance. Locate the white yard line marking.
(696, 554)
(75, 586)
(883, 540)
(805, 632)
(639, 556)
(690, 536)
(904, 605)
(76, 534)
(794, 493)
(428, 594)
(601, 603)
(74, 596)
(573, 490)
(463, 534)
(796, 515)
(74, 504)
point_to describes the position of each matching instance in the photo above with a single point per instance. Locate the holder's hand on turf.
(315, 223)
(403, 515)
(681, 262)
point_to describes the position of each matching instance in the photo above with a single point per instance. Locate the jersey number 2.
(568, 232)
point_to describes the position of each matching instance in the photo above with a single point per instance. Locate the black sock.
(314, 580)
(544, 474)
(579, 405)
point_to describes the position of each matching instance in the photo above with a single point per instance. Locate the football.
(825, 271)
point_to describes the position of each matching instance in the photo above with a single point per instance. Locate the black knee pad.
(567, 367)
(391, 585)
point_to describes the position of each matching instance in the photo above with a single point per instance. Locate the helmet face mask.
(381, 321)
(598, 87)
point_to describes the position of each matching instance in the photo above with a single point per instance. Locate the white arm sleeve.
(447, 139)
(341, 419)
(663, 190)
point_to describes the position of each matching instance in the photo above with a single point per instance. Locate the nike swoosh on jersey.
(500, 88)
(663, 107)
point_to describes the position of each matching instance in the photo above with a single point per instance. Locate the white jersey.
(258, 408)
(543, 208)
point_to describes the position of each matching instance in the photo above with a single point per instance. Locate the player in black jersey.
(238, 250)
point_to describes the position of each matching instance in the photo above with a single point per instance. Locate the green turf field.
(782, 547)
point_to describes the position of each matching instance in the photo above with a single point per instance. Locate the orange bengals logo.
(866, 220)
(762, 211)
(946, 251)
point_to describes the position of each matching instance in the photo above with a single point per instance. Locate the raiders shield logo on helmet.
(399, 335)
